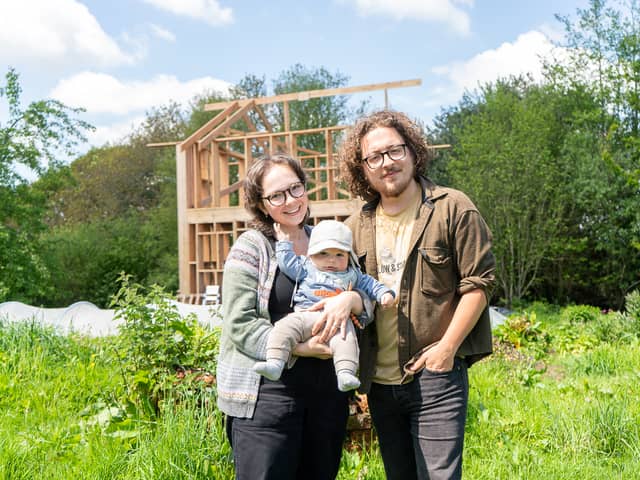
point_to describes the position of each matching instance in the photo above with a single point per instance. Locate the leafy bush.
(524, 331)
(575, 314)
(85, 260)
(570, 338)
(158, 349)
(632, 307)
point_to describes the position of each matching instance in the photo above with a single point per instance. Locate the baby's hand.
(281, 236)
(387, 300)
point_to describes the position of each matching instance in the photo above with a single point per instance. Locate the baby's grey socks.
(271, 369)
(347, 381)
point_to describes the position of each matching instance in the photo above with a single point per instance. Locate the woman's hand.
(313, 348)
(281, 235)
(336, 311)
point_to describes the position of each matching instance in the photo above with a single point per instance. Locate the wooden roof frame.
(207, 221)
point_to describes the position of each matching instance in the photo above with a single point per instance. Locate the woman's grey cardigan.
(249, 272)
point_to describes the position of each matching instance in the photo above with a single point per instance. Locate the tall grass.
(564, 404)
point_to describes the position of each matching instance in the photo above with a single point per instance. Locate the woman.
(293, 427)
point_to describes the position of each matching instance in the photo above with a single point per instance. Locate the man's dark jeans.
(420, 424)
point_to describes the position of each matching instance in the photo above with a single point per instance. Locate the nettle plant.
(163, 355)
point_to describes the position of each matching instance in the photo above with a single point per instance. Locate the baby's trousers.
(296, 328)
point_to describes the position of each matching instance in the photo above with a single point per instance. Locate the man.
(431, 246)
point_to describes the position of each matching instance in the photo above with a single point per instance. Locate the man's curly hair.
(253, 192)
(350, 154)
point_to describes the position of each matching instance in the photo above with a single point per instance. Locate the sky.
(118, 59)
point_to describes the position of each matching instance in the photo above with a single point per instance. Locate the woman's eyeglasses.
(395, 153)
(296, 190)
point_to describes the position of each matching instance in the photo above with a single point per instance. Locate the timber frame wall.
(211, 165)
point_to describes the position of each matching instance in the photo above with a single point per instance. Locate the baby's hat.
(331, 234)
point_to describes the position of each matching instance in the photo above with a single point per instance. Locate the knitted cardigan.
(249, 272)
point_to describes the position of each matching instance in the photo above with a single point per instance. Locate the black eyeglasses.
(395, 153)
(296, 190)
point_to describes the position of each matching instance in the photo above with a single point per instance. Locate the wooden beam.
(216, 179)
(216, 215)
(281, 134)
(335, 208)
(263, 117)
(224, 125)
(330, 208)
(230, 153)
(327, 92)
(183, 227)
(195, 136)
(231, 188)
(331, 176)
(163, 144)
(250, 124)
(285, 110)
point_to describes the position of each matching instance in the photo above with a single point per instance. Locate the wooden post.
(183, 225)
(287, 124)
(218, 177)
(331, 180)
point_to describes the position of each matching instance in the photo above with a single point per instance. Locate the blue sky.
(119, 58)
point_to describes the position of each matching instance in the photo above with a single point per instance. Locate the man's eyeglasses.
(396, 152)
(296, 190)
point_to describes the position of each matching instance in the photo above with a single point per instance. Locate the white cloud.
(554, 32)
(162, 33)
(101, 93)
(115, 132)
(443, 11)
(520, 57)
(209, 11)
(56, 32)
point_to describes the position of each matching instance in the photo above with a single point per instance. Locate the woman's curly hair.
(350, 153)
(253, 192)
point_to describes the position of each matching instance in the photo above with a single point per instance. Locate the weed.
(157, 347)
(524, 331)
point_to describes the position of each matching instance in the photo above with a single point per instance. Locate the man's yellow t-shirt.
(393, 237)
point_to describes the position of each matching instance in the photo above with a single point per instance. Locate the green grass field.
(558, 400)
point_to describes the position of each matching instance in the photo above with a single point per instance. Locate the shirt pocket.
(436, 271)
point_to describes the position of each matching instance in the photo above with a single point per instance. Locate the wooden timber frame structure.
(211, 165)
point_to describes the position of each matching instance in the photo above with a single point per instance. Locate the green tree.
(86, 259)
(32, 139)
(506, 159)
(603, 43)
(554, 166)
(165, 123)
(252, 86)
(113, 210)
(315, 112)
(108, 182)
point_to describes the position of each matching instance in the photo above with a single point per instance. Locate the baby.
(329, 269)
